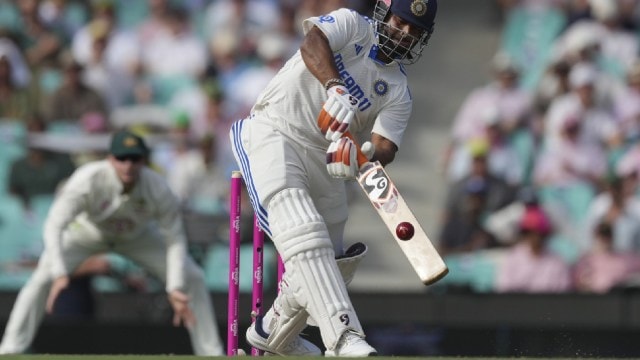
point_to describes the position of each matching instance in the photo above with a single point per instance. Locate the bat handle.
(323, 123)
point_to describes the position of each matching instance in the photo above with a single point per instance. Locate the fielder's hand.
(57, 286)
(337, 112)
(181, 311)
(342, 162)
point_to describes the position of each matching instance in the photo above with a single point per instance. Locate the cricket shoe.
(351, 344)
(257, 338)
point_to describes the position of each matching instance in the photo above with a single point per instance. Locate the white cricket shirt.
(294, 98)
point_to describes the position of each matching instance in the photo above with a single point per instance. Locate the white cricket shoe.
(351, 345)
(299, 346)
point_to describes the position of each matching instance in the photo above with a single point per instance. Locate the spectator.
(159, 58)
(246, 19)
(502, 157)
(16, 101)
(198, 181)
(113, 83)
(618, 46)
(65, 16)
(529, 266)
(597, 125)
(603, 267)
(39, 172)
(462, 230)
(470, 199)
(172, 148)
(513, 105)
(553, 84)
(210, 114)
(626, 106)
(39, 42)
(504, 223)
(154, 23)
(73, 99)
(272, 52)
(569, 174)
(122, 52)
(620, 209)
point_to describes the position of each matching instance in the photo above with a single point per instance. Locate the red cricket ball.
(405, 230)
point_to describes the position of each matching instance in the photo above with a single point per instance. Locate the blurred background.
(520, 162)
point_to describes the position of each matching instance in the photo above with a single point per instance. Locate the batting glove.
(342, 160)
(337, 112)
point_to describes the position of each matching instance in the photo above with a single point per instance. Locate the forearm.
(176, 261)
(385, 149)
(176, 242)
(318, 56)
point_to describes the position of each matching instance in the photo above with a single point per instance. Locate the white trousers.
(271, 161)
(82, 240)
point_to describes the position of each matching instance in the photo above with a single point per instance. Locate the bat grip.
(323, 123)
(362, 158)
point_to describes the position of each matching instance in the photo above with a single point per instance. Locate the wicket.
(234, 268)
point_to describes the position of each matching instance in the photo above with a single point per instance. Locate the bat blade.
(394, 211)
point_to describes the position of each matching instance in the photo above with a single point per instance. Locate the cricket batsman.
(348, 75)
(116, 205)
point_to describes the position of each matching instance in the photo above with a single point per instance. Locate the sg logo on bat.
(379, 188)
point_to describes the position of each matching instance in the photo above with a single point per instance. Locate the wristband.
(332, 82)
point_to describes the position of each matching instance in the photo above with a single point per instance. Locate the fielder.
(116, 205)
(347, 75)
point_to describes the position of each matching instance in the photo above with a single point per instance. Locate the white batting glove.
(337, 112)
(368, 149)
(342, 162)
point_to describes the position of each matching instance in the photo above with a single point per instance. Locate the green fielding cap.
(125, 142)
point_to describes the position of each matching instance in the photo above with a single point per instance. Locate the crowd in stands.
(542, 163)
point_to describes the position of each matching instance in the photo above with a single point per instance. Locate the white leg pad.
(313, 277)
(318, 286)
(285, 319)
(348, 264)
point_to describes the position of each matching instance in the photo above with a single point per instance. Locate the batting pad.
(302, 239)
(296, 225)
(319, 287)
(286, 319)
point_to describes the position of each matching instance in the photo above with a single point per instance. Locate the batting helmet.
(420, 13)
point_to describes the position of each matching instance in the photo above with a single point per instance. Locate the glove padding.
(337, 112)
(342, 161)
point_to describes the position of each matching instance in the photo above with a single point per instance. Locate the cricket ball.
(404, 230)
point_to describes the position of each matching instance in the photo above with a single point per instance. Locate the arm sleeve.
(70, 202)
(393, 120)
(172, 229)
(340, 27)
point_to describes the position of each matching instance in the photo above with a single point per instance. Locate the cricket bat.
(400, 220)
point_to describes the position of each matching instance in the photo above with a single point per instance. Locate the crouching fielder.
(116, 205)
(347, 76)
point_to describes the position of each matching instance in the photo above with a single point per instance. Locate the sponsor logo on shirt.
(350, 82)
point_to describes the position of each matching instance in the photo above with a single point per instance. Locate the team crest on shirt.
(326, 19)
(419, 7)
(381, 87)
